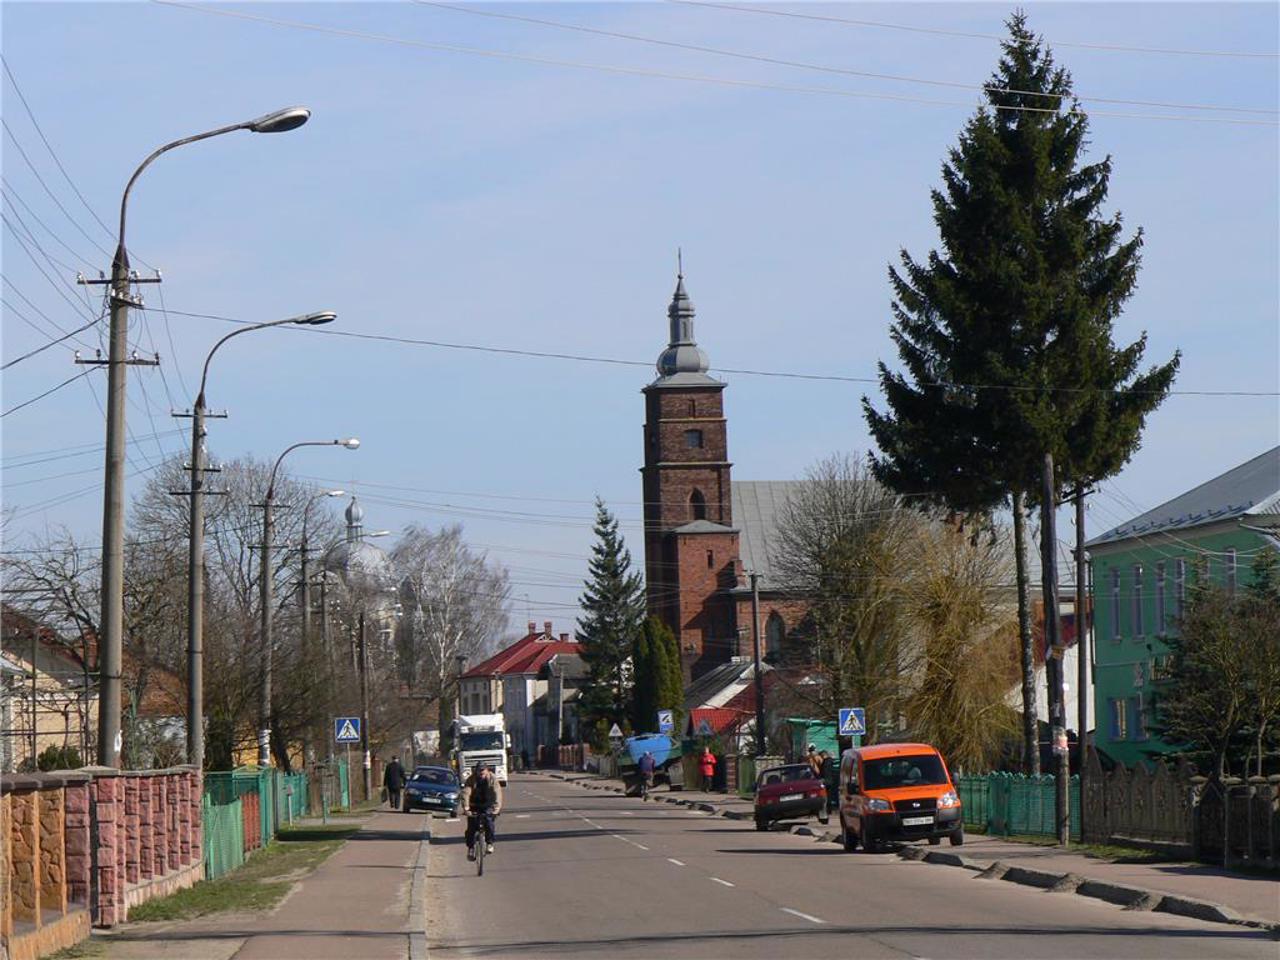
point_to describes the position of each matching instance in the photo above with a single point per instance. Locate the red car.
(788, 793)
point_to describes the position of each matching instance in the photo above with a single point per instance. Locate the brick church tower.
(690, 544)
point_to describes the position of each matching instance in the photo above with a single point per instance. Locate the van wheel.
(762, 824)
(871, 843)
(957, 838)
(934, 841)
(848, 839)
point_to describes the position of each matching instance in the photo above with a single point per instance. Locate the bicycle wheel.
(480, 846)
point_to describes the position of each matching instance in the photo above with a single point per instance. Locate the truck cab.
(481, 738)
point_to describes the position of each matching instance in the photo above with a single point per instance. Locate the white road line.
(640, 846)
(625, 813)
(802, 916)
(726, 883)
(678, 863)
(522, 816)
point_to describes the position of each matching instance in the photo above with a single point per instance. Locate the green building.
(1140, 575)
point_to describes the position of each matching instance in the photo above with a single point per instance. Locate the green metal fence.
(344, 784)
(223, 836)
(1009, 804)
(280, 799)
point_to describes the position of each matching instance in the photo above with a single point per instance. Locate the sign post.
(666, 721)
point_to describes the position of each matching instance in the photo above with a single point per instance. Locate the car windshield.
(909, 771)
(786, 774)
(489, 740)
(434, 776)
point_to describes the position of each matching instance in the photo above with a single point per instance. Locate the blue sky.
(476, 199)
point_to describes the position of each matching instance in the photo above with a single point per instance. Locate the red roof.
(721, 720)
(527, 655)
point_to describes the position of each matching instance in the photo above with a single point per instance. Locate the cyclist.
(482, 800)
(646, 767)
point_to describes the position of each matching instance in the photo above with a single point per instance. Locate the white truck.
(481, 736)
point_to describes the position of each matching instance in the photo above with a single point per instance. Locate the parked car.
(432, 788)
(897, 791)
(788, 793)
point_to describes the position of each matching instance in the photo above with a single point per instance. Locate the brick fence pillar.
(146, 830)
(197, 816)
(159, 850)
(108, 816)
(132, 829)
(25, 851)
(173, 848)
(6, 867)
(53, 863)
(75, 806)
(183, 783)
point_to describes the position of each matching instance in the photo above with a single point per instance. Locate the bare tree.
(455, 605)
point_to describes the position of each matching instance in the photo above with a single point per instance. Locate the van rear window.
(910, 771)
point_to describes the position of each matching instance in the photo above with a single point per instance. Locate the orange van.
(897, 791)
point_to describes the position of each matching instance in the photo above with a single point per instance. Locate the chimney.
(564, 638)
(533, 627)
(546, 629)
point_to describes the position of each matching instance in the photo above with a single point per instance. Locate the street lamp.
(264, 703)
(111, 621)
(195, 560)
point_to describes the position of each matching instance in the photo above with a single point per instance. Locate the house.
(515, 682)
(1141, 571)
(48, 694)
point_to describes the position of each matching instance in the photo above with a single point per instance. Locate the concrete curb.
(418, 898)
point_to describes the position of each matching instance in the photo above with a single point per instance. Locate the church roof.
(758, 509)
(704, 526)
(683, 363)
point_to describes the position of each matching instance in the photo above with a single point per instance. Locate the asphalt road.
(584, 874)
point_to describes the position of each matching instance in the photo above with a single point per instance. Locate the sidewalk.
(1253, 897)
(367, 900)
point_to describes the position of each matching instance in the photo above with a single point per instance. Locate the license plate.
(916, 821)
(790, 796)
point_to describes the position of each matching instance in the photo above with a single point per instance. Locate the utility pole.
(364, 708)
(1053, 653)
(755, 643)
(265, 589)
(1082, 649)
(195, 594)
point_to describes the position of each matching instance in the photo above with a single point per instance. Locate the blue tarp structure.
(660, 745)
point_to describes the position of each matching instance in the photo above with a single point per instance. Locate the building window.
(1231, 571)
(1179, 587)
(1161, 615)
(1119, 719)
(774, 633)
(1138, 627)
(1115, 603)
(693, 439)
(1138, 727)
(711, 559)
(693, 408)
(698, 505)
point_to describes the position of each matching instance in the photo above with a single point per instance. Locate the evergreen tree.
(659, 682)
(613, 599)
(1006, 335)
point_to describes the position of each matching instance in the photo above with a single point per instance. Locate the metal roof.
(1251, 489)
(758, 508)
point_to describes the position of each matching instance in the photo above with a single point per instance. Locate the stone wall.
(80, 847)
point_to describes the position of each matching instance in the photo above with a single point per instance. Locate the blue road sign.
(346, 729)
(666, 721)
(853, 722)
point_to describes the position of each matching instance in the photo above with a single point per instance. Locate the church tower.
(690, 545)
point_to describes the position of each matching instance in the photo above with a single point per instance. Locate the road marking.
(678, 863)
(726, 883)
(625, 813)
(522, 816)
(802, 916)
(640, 845)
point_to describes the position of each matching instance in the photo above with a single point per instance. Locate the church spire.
(682, 354)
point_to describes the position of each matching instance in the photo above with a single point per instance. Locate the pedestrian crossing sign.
(346, 729)
(704, 727)
(853, 722)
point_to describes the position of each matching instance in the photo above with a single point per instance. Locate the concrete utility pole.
(363, 647)
(1053, 653)
(755, 643)
(1082, 649)
(111, 621)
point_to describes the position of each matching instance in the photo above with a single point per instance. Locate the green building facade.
(1141, 573)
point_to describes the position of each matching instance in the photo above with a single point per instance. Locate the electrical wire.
(27, 403)
(661, 75)
(1115, 48)
(52, 343)
(834, 378)
(823, 68)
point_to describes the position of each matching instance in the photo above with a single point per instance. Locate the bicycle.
(481, 844)
(481, 837)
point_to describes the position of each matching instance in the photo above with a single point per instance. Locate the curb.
(418, 898)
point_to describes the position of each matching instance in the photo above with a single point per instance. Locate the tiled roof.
(720, 720)
(1251, 489)
(527, 655)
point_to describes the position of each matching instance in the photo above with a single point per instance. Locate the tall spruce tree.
(659, 683)
(613, 601)
(1005, 336)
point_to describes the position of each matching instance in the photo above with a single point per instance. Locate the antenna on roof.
(679, 263)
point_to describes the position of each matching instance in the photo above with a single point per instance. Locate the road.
(584, 874)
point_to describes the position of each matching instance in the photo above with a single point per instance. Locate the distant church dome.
(360, 564)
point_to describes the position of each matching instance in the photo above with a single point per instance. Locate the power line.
(788, 375)
(27, 403)
(661, 75)
(53, 343)
(1115, 48)
(823, 68)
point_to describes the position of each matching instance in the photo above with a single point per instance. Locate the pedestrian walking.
(393, 780)
(646, 765)
(708, 767)
(830, 778)
(815, 762)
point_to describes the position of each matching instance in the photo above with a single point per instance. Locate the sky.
(471, 179)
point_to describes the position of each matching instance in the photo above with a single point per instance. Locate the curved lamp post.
(195, 558)
(264, 702)
(111, 622)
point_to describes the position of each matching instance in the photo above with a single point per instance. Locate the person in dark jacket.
(646, 766)
(831, 778)
(393, 780)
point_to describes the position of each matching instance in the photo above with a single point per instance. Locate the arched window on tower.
(775, 632)
(698, 505)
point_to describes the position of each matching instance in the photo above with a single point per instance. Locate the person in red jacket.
(708, 767)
